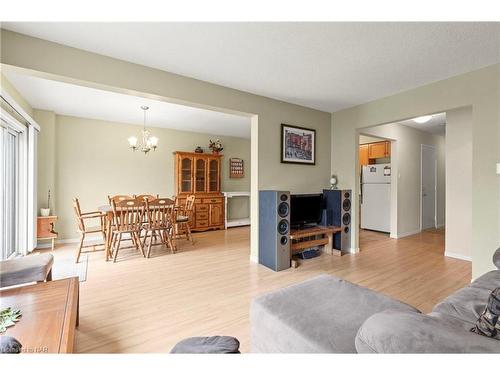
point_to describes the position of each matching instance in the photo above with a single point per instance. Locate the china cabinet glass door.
(213, 175)
(186, 175)
(200, 173)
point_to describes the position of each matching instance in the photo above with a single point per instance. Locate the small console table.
(306, 238)
(45, 229)
(235, 222)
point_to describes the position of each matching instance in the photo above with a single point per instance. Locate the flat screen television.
(305, 209)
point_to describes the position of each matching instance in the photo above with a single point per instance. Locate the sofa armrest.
(407, 332)
(496, 258)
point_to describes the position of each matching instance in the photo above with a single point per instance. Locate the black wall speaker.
(274, 229)
(337, 212)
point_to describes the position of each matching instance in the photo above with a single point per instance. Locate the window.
(17, 184)
(10, 142)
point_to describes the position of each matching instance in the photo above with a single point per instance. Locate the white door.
(428, 190)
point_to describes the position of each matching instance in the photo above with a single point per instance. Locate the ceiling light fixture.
(422, 119)
(148, 142)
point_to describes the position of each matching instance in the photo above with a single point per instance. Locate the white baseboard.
(406, 234)
(254, 259)
(458, 256)
(88, 240)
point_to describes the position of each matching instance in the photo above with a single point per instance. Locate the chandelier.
(148, 142)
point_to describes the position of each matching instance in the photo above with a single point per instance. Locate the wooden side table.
(308, 237)
(45, 229)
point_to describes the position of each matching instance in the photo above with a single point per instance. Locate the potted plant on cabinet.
(215, 146)
(46, 211)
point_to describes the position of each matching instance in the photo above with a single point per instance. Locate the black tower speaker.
(274, 229)
(337, 212)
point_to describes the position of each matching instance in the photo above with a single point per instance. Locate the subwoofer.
(337, 212)
(274, 229)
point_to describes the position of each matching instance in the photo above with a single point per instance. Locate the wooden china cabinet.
(200, 174)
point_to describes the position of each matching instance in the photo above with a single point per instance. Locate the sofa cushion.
(320, 315)
(496, 258)
(207, 345)
(407, 332)
(9, 345)
(488, 323)
(28, 269)
(468, 303)
(489, 281)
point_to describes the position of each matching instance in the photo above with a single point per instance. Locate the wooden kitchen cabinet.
(377, 150)
(368, 152)
(363, 155)
(200, 174)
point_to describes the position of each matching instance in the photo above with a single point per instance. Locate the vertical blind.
(18, 138)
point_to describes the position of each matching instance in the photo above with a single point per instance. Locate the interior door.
(428, 177)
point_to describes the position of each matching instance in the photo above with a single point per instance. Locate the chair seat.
(148, 226)
(28, 269)
(182, 218)
(91, 230)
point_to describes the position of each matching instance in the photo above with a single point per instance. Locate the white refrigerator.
(376, 197)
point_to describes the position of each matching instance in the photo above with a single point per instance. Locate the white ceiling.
(79, 101)
(327, 66)
(436, 125)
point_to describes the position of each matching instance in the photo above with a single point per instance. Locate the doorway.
(428, 189)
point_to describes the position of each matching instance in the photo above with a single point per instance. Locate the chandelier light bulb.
(153, 141)
(132, 141)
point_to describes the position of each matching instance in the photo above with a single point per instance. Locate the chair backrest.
(78, 214)
(188, 208)
(146, 196)
(118, 198)
(128, 214)
(160, 212)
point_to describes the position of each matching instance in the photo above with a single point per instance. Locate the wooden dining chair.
(148, 196)
(160, 220)
(128, 217)
(118, 198)
(84, 229)
(183, 216)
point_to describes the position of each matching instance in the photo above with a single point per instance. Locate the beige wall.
(46, 159)
(364, 139)
(90, 159)
(479, 89)
(11, 90)
(72, 65)
(459, 182)
(405, 163)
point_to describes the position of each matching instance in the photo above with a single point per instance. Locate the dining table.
(107, 209)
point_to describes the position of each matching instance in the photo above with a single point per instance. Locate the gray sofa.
(329, 315)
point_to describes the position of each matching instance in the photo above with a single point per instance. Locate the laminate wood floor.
(148, 305)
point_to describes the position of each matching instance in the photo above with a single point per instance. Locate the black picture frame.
(302, 156)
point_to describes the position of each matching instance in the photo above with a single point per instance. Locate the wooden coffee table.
(49, 315)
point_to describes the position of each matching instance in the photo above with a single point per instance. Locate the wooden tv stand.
(305, 238)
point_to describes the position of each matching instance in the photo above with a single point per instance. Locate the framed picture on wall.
(298, 145)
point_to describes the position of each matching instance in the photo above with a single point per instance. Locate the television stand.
(305, 238)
